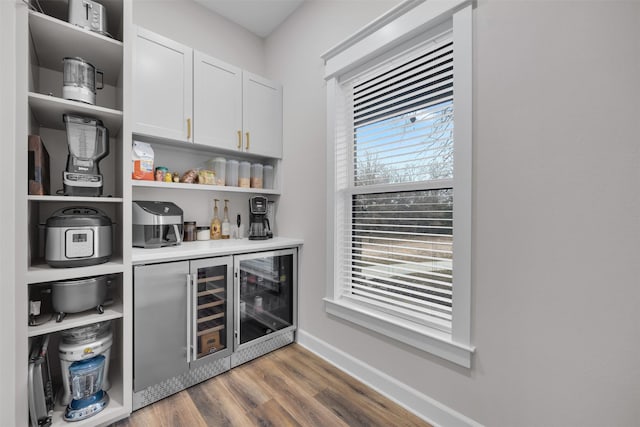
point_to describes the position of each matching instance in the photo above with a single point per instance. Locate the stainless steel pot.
(75, 296)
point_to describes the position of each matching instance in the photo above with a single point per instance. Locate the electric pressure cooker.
(78, 236)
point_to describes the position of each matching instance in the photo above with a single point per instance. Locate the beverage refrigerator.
(266, 299)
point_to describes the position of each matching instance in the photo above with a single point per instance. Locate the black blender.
(88, 142)
(259, 228)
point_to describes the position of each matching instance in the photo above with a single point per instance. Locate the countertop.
(210, 248)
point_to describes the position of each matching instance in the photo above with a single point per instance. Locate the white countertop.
(209, 248)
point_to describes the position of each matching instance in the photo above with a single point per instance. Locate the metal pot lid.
(78, 216)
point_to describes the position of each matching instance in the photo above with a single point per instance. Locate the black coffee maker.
(259, 228)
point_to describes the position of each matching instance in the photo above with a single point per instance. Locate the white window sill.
(421, 337)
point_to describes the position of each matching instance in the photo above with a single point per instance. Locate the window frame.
(410, 22)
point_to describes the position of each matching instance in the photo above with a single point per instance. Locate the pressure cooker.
(78, 236)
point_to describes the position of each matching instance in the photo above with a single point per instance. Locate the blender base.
(81, 409)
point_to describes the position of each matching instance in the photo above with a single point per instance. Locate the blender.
(88, 142)
(84, 357)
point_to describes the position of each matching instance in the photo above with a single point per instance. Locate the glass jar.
(203, 232)
(189, 231)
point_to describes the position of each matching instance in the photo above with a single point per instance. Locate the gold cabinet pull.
(248, 143)
(189, 128)
(239, 140)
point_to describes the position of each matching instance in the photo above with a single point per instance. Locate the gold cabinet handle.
(189, 128)
(247, 147)
(239, 140)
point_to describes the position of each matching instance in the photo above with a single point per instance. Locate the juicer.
(88, 143)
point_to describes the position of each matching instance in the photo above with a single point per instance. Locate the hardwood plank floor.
(288, 387)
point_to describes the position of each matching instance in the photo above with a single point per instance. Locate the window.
(400, 191)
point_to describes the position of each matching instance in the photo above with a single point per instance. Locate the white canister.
(219, 167)
(256, 175)
(267, 173)
(232, 173)
(244, 174)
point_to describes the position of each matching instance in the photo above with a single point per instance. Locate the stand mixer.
(88, 142)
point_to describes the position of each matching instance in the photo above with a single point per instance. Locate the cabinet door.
(211, 293)
(162, 87)
(262, 115)
(217, 103)
(159, 323)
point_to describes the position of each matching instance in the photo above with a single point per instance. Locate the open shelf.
(48, 111)
(40, 273)
(73, 320)
(74, 199)
(205, 187)
(54, 40)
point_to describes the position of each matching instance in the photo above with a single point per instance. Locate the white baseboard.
(420, 404)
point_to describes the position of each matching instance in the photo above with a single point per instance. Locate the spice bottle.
(215, 222)
(226, 226)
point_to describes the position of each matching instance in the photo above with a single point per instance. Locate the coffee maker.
(259, 228)
(88, 142)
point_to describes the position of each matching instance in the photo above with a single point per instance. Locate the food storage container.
(256, 175)
(189, 231)
(219, 166)
(244, 174)
(232, 173)
(203, 232)
(267, 173)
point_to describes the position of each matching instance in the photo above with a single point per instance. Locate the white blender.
(84, 357)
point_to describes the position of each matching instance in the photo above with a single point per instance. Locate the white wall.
(193, 25)
(556, 210)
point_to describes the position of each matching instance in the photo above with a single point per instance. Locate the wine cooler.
(266, 300)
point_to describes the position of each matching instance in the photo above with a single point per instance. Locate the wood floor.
(288, 387)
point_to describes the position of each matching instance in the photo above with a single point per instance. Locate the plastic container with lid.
(256, 175)
(244, 174)
(232, 173)
(189, 231)
(267, 173)
(219, 165)
(202, 232)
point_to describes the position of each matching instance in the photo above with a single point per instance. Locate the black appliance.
(88, 142)
(259, 227)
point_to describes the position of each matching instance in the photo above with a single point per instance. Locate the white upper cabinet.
(184, 95)
(261, 115)
(217, 103)
(162, 87)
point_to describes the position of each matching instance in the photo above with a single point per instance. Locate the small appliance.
(78, 295)
(259, 228)
(79, 80)
(84, 358)
(89, 15)
(88, 142)
(156, 224)
(78, 236)
(41, 400)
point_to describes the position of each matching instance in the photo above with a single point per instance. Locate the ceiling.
(260, 17)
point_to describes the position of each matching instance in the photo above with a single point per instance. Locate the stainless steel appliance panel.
(160, 323)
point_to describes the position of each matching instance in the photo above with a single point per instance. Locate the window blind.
(395, 171)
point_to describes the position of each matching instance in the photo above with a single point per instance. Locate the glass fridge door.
(211, 307)
(266, 294)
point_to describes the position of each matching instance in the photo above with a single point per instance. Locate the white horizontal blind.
(395, 140)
